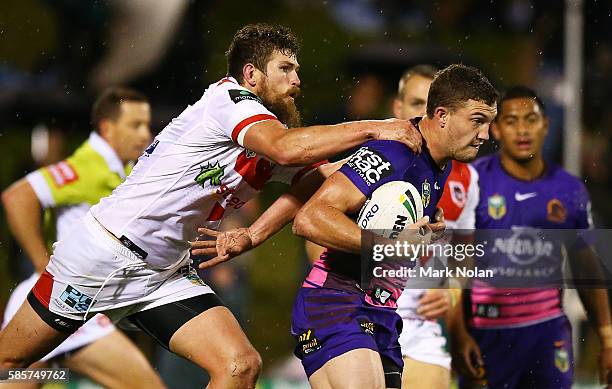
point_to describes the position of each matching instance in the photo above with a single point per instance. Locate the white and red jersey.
(195, 171)
(458, 202)
(460, 194)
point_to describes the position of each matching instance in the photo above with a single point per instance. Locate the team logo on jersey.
(370, 165)
(562, 359)
(214, 173)
(525, 246)
(308, 343)
(497, 206)
(425, 193)
(487, 310)
(381, 295)
(457, 192)
(76, 300)
(151, 148)
(238, 95)
(367, 326)
(555, 211)
(249, 153)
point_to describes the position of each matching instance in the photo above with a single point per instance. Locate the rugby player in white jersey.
(129, 256)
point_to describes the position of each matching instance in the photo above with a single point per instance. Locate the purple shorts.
(330, 322)
(536, 356)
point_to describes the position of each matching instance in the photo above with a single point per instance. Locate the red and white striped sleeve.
(236, 109)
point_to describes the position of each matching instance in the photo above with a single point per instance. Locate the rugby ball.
(392, 207)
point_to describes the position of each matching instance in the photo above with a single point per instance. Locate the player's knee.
(243, 366)
(301, 223)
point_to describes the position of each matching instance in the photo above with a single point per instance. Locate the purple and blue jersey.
(332, 314)
(374, 164)
(513, 216)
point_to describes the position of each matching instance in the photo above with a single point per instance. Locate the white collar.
(108, 153)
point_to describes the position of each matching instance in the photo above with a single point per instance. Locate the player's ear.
(249, 74)
(397, 108)
(441, 115)
(105, 128)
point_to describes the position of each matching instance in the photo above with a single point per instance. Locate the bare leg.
(424, 375)
(214, 341)
(114, 362)
(27, 338)
(360, 368)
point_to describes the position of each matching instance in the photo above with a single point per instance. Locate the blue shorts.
(328, 323)
(536, 356)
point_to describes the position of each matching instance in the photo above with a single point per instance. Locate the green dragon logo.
(214, 173)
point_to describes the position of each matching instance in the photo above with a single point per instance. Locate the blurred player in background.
(348, 337)
(520, 337)
(426, 362)
(129, 257)
(66, 190)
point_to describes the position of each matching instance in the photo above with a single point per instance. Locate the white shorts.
(421, 340)
(96, 328)
(90, 271)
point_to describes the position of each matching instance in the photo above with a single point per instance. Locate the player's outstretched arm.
(23, 213)
(308, 145)
(231, 243)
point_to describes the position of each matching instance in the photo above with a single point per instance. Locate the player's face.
(130, 133)
(414, 102)
(521, 128)
(280, 86)
(468, 128)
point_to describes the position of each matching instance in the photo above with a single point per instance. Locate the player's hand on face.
(467, 359)
(434, 303)
(222, 246)
(403, 131)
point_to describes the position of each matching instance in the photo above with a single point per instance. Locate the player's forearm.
(282, 211)
(23, 214)
(585, 265)
(328, 227)
(595, 303)
(303, 146)
(455, 319)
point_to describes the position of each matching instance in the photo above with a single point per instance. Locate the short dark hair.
(422, 70)
(108, 104)
(455, 85)
(520, 92)
(254, 43)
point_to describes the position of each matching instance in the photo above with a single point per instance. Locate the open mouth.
(524, 144)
